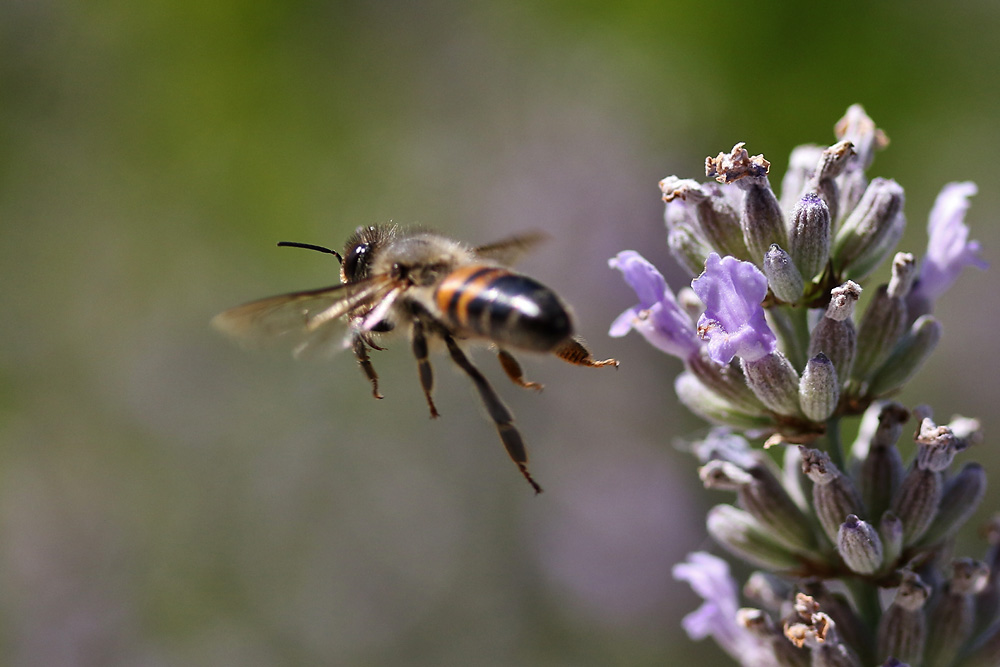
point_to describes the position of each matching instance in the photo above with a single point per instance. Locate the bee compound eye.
(356, 261)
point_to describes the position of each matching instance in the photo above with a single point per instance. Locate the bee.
(435, 288)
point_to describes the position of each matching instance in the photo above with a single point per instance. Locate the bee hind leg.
(499, 412)
(575, 352)
(361, 352)
(424, 364)
(513, 370)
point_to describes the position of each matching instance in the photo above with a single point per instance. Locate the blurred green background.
(168, 499)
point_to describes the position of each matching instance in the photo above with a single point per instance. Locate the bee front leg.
(424, 364)
(361, 352)
(499, 412)
(575, 352)
(513, 370)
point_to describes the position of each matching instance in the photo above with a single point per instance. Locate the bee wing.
(305, 319)
(509, 250)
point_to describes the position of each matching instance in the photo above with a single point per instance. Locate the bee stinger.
(393, 278)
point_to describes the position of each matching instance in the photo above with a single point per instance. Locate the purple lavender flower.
(733, 321)
(949, 249)
(658, 317)
(709, 577)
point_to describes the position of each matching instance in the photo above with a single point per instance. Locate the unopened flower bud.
(890, 529)
(884, 321)
(834, 335)
(801, 168)
(726, 380)
(712, 212)
(774, 381)
(954, 615)
(832, 163)
(704, 402)
(834, 494)
(743, 536)
(960, 500)
(809, 236)
(819, 389)
(782, 275)
(871, 230)
(859, 545)
(767, 589)
(908, 356)
(917, 502)
(687, 247)
(881, 469)
(902, 630)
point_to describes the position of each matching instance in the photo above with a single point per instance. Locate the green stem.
(833, 445)
(865, 595)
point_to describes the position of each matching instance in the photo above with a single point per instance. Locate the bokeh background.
(168, 499)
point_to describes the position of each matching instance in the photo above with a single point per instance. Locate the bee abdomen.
(505, 307)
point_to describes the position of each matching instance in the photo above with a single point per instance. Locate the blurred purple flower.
(658, 317)
(716, 617)
(949, 249)
(733, 321)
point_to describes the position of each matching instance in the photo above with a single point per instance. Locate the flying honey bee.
(438, 288)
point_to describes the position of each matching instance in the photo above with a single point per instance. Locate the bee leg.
(513, 370)
(361, 352)
(499, 412)
(575, 352)
(423, 364)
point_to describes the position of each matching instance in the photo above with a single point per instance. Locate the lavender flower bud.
(726, 380)
(902, 631)
(959, 502)
(740, 534)
(866, 138)
(761, 219)
(774, 381)
(711, 210)
(766, 500)
(833, 161)
(782, 274)
(819, 389)
(909, 355)
(687, 247)
(707, 404)
(834, 495)
(871, 230)
(861, 131)
(769, 590)
(801, 168)
(890, 529)
(881, 470)
(917, 502)
(809, 237)
(834, 335)
(954, 615)
(760, 494)
(859, 545)
(884, 320)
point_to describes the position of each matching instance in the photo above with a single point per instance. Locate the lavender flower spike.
(949, 249)
(709, 577)
(733, 321)
(658, 317)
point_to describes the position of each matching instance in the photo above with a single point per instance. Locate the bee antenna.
(310, 246)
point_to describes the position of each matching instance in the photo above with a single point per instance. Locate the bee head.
(360, 249)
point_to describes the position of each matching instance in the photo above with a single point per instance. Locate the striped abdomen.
(506, 307)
